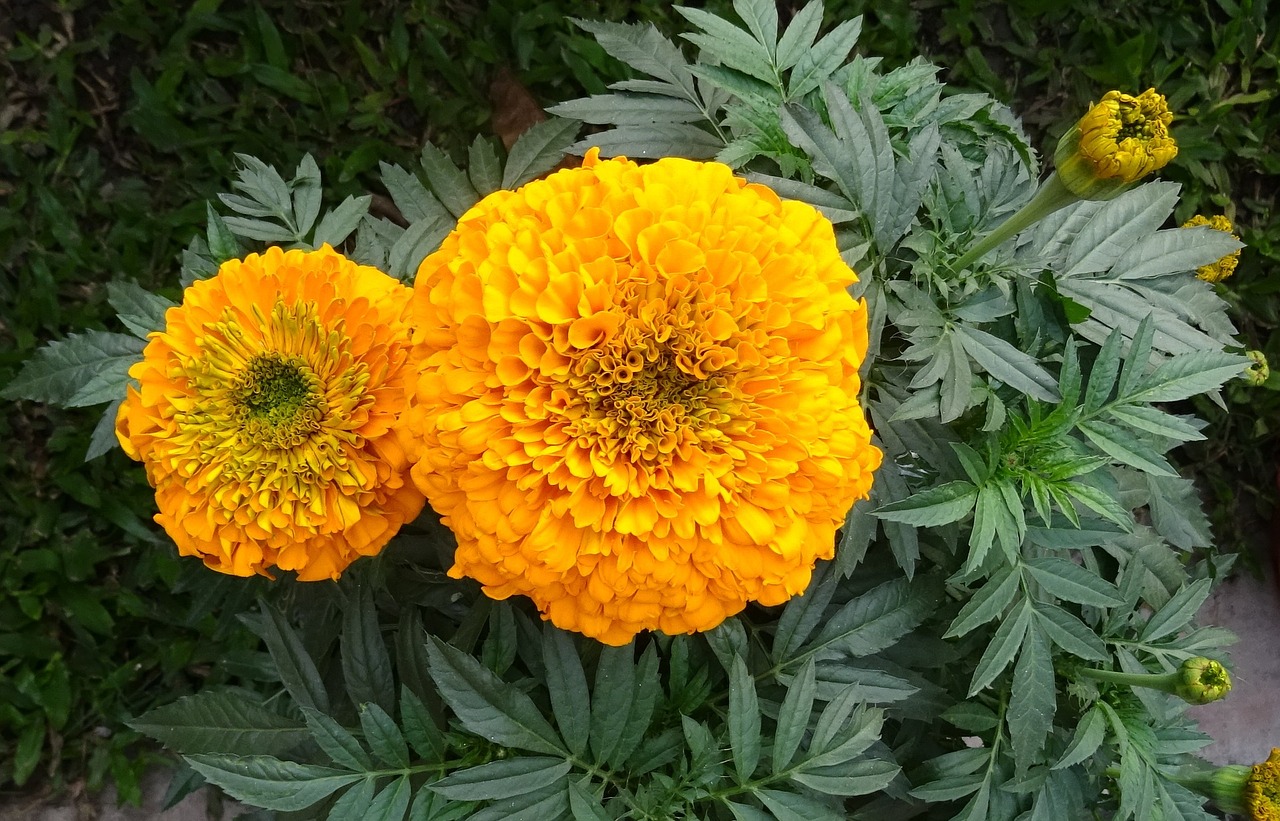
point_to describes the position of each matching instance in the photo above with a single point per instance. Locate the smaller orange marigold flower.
(265, 414)
(638, 395)
(1119, 141)
(1225, 267)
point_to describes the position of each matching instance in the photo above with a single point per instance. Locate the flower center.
(277, 401)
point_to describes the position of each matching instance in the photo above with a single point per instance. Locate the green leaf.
(450, 185)
(1126, 449)
(223, 244)
(1188, 375)
(611, 699)
(26, 754)
(793, 716)
(648, 685)
(427, 806)
(140, 310)
(567, 687)
(538, 150)
(1118, 224)
(815, 65)
(1033, 701)
(849, 778)
(744, 812)
(336, 742)
(1102, 377)
(307, 194)
(935, 506)
(653, 141)
(1177, 612)
(761, 17)
(260, 230)
(971, 716)
(366, 664)
(62, 369)
(383, 736)
(1007, 364)
(502, 779)
(420, 729)
(104, 438)
(1069, 633)
(488, 706)
(1068, 580)
(548, 802)
(1088, 737)
(1174, 251)
(744, 720)
(728, 44)
(800, 35)
(583, 805)
(1003, 647)
(214, 721)
(392, 802)
(415, 244)
(338, 224)
(643, 48)
(988, 603)
(1154, 420)
(355, 801)
(290, 660)
(483, 167)
(413, 199)
(876, 619)
(1176, 512)
(836, 741)
(268, 782)
(788, 806)
(802, 615)
(621, 108)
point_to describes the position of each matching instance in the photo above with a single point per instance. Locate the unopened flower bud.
(1257, 373)
(1202, 681)
(1119, 141)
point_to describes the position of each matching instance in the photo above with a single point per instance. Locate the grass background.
(119, 120)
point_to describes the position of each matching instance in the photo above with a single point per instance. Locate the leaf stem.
(1051, 196)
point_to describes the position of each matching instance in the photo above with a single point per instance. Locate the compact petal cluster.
(1225, 267)
(1119, 141)
(638, 395)
(266, 412)
(1262, 789)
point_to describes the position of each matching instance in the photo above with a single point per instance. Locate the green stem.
(1159, 681)
(1051, 196)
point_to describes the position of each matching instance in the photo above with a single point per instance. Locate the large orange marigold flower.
(266, 411)
(638, 395)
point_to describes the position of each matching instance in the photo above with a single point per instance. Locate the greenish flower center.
(278, 401)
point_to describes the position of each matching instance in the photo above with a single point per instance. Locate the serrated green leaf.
(611, 699)
(538, 150)
(1176, 512)
(366, 664)
(391, 803)
(260, 230)
(628, 109)
(337, 225)
(971, 716)
(815, 65)
(548, 802)
(1124, 448)
(1069, 633)
(1068, 580)
(483, 167)
(291, 661)
(488, 706)
(789, 806)
(60, 370)
(761, 17)
(502, 779)
(728, 45)
(415, 244)
(140, 310)
(948, 789)
(104, 438)
(307, 194)
(800, 35)
(876, 619)
(1118, 224)
(935, 506)
(653, 141)
(583, 805)
(1175, 250)
(420, 729)
(270, 783)
(447, 182)
(1088, 737)
(1189, 374)
(354, 802)
(803, 614)
(1096, 500)
(408, 193)
(644, 699)
(222, 244)
(427, 806)
(336, 742)
(744, 720)
(1156, 421)
(567, 687)
(1177, 612)
(745, 812)
(988, 603)
(849, 778)
(1007, 364)
(793, 716)
(215, 721)
(383, 736)
(1033, 701)
(643, 48)
(836, 741)
(499, 649)
(1002, 648)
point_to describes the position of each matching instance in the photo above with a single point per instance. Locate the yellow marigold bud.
(1259, 372)
(1262, 789)
(1202, 681)
(638, 395)
(1224, 267)
(1253, 792)
(1119, 141)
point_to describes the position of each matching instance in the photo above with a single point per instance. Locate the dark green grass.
(120, 119)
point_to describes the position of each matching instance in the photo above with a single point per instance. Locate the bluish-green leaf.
(220, 721)
(1178, 611)
(538, 150)
(420, 729)
(1068, 580)
(988, 603)
(336, 742)
(1090, 732)
(849, 778)
(270, 783)
(567, 687)
(1069, 633)
(876, 619)
(744, 720)
(1033, 701)
(483, 167)
(611, 699)
(307, 194)
(800, 35)
(793, 716)
(803, 614)
(935, 506)
(61, 369)
(140, 310)
(337, 225)
(815, 65)
(502, 779)
(1001, 650)
(1008, 364)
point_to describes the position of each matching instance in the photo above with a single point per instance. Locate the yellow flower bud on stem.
(1197, 681)
(1253, 792)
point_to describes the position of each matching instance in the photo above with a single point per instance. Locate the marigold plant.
(638, 395)
(265, 410)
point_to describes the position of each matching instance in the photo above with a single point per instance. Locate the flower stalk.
(1052, 196)
(1197, 680)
